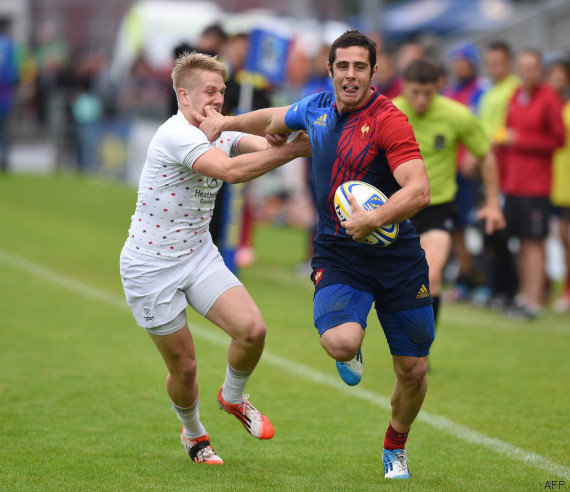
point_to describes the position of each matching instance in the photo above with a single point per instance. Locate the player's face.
(351, 74)
(206, 89)
(419, 95)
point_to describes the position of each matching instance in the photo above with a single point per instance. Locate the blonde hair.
(187, 63)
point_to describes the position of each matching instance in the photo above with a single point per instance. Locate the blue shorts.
(408, 332)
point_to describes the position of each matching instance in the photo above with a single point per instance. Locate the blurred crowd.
(522, 101)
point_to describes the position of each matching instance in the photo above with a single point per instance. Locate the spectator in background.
(493, 113)
(235, 54)
(534, 130)
(52, 58)
(212, 40)
(319, 81)
(87, 111)
(388, 82)
(407, 53)
(144, 94)
(559, 79)
(466, 88)
(8, 84)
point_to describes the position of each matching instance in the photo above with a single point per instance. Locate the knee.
(185, 371)
(340, 348)
(412, 374)
(253, 331)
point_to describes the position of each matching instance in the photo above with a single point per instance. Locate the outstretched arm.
(405, 203)
(216, 164)
(260, 122)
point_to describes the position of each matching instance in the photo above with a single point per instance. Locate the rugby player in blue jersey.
(358, 134)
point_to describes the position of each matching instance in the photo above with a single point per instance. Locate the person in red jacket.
(534, 130)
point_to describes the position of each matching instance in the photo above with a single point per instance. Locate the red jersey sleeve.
(396, 138)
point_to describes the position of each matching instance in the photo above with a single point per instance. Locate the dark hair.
(500, 45)
(564, 64)
(354, 38)
(215, 30)
(533, 52)
(423, 71)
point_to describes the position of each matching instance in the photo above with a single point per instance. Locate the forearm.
(403, 204)
(490, 176)
(246, 167)
(260, 122)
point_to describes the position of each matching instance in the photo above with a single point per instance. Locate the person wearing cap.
(467, 88)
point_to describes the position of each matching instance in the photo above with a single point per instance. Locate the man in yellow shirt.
(559, 79)
(440, 125)
(503, 276)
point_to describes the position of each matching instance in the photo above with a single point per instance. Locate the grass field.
(83, 404)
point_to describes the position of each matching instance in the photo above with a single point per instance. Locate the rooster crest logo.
(365, 129)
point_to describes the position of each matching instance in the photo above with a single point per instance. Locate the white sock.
(234, 385)
(190, 418)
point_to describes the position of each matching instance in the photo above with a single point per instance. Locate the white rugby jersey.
(175, 204)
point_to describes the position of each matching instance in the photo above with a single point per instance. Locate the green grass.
(83, 404)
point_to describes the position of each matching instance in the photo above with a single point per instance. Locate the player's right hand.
(361, 223)
(211, 123)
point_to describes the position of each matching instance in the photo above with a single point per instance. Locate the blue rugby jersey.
(365, 144)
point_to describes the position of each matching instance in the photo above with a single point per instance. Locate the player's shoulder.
(450, 108)
(384, 108)
(177, 127)
(318, 101)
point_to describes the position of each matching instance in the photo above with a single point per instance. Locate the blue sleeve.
(296, 116)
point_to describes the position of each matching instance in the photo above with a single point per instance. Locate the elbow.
(233, 178)
(232, 174)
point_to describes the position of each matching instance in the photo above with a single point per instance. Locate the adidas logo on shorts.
(423, 292)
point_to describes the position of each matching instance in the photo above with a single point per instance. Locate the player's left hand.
(493, 216)
(361, 223)
(277, 139)
(211, 123)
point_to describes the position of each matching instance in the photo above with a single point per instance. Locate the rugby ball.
(369, 198)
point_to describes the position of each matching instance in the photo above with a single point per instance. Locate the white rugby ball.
(369, 198)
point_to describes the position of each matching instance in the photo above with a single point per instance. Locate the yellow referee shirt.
(439, 131)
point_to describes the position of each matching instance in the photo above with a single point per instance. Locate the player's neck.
(343, 108)
(187, 113)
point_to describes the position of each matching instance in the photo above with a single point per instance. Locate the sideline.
(441, 423)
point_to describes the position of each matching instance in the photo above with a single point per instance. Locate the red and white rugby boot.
(200, 450)
(253, 420)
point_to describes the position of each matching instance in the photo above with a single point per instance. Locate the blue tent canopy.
(444, 16)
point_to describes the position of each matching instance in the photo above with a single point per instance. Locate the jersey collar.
(368, 102)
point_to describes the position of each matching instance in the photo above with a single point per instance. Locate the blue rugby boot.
(395, 463)
(351, 371)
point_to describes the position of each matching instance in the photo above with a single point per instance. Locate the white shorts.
(158, 290)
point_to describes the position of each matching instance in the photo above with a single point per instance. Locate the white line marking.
(441, 423)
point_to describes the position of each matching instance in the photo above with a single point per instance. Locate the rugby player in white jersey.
(169, 260)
